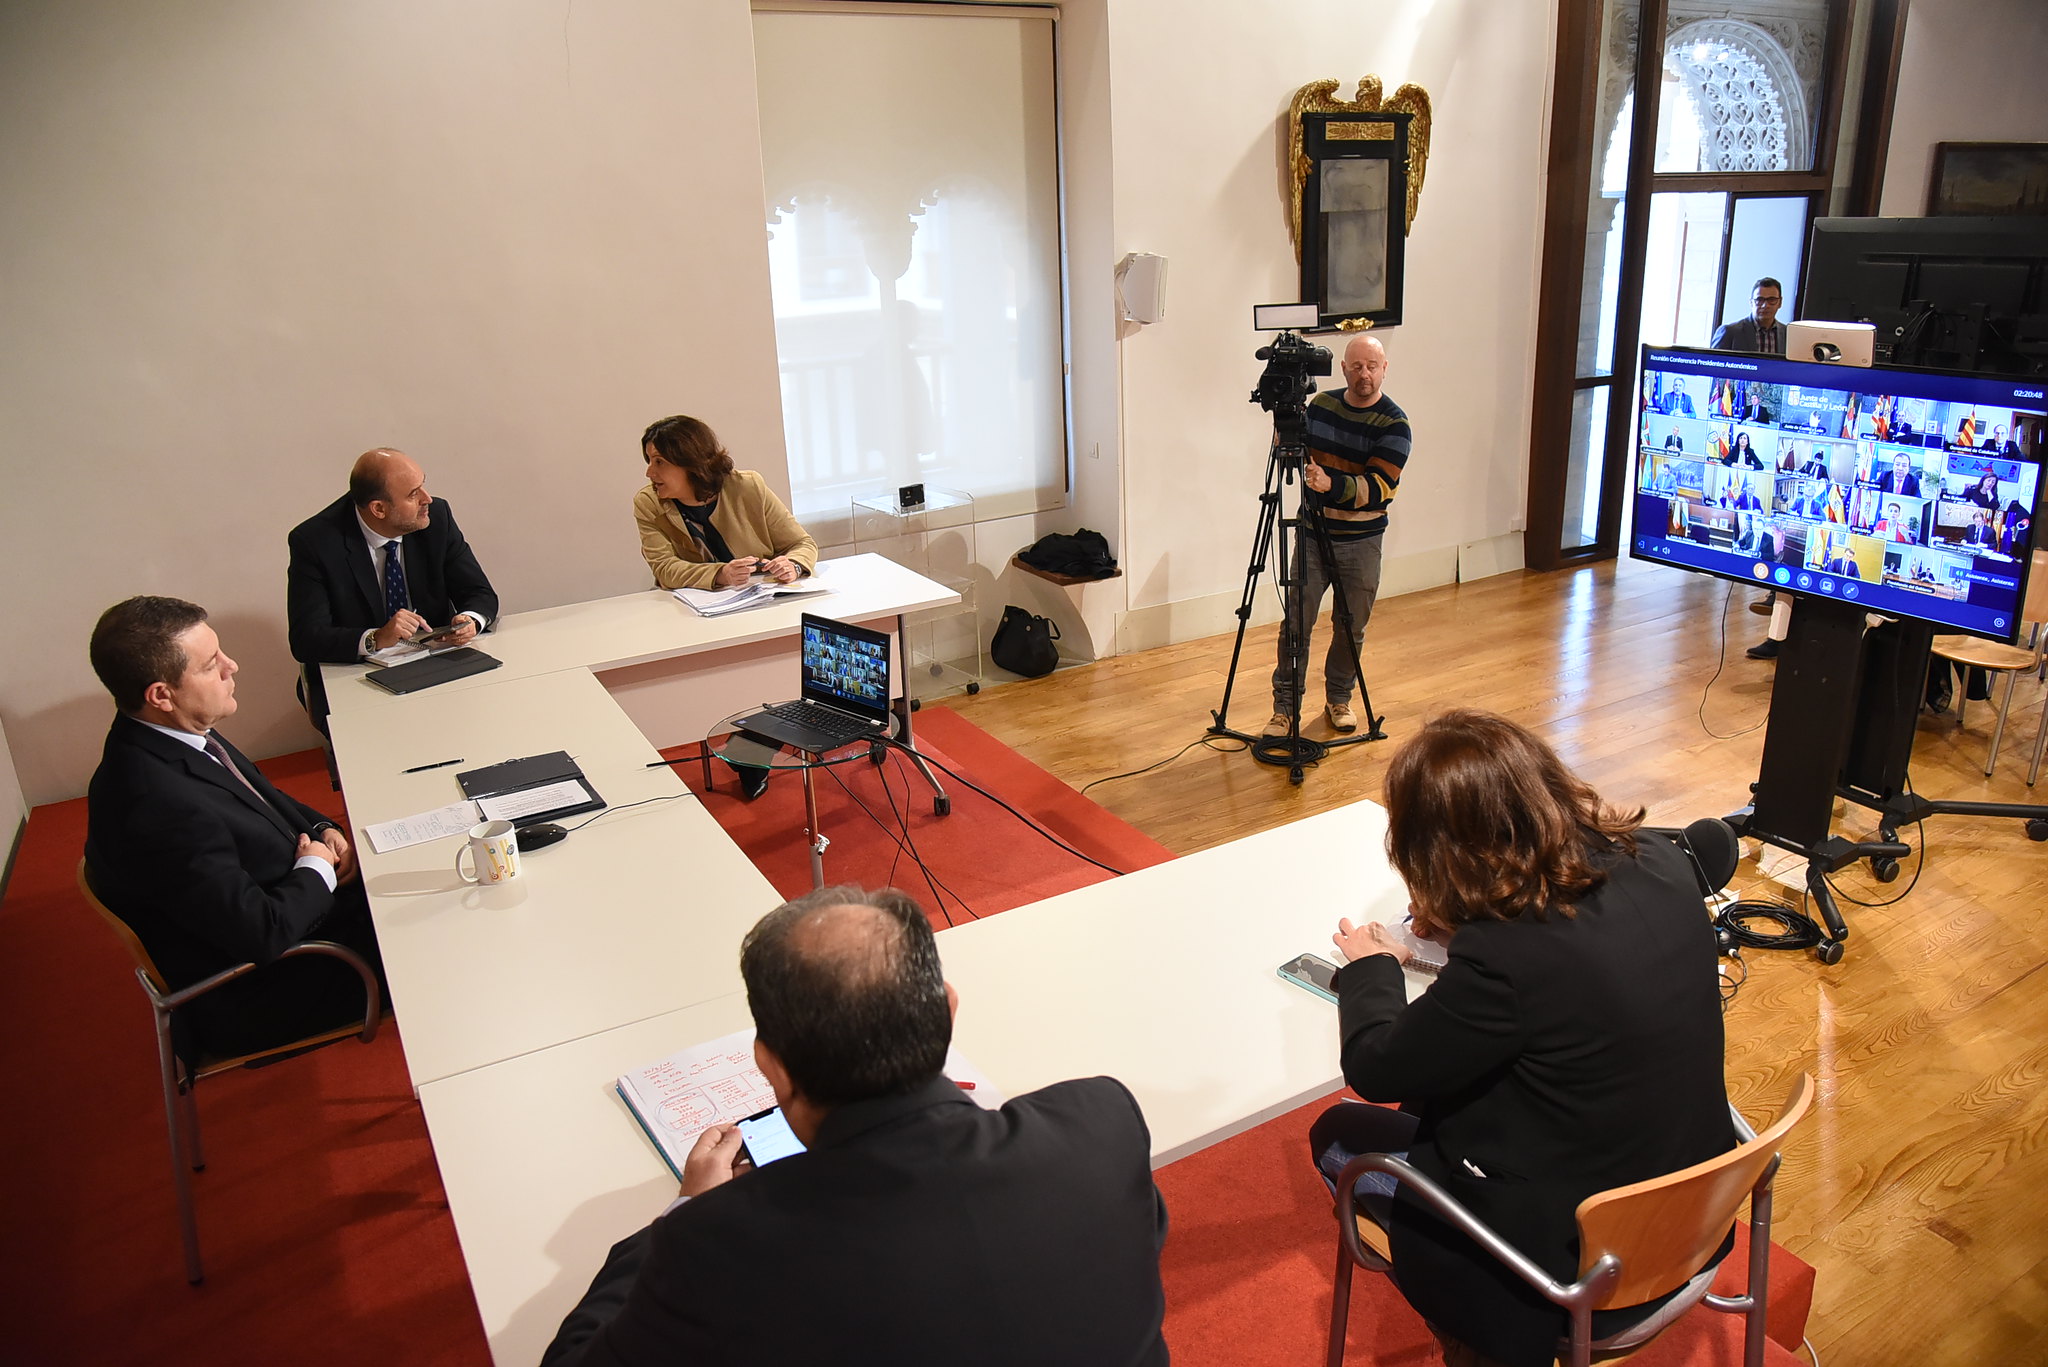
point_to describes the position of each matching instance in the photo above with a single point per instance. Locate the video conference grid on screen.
(846, 666)
(1912, 493)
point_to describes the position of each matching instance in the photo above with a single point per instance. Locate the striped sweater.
(1365, 450)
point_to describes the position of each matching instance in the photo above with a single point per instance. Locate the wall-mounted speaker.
(1141, 287)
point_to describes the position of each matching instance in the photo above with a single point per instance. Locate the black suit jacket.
(918, 1229)
(1557, 1058)
(331, 593)
(194, 862)
(1890, 483)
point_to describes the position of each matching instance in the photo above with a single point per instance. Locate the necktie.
(394, 580)
(220, 753)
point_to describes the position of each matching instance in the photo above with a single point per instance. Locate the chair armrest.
(171, 1001)
(373, 1009)
(1592, 1286)
(1743, 1130)
(373, 995)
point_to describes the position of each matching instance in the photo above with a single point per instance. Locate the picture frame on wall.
(1976, 179)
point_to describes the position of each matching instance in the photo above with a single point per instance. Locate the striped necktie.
(394, 580)
(220, 753)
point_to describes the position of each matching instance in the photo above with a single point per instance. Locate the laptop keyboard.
(826, 720)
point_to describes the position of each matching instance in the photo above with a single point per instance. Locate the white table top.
(1162, 978)
(637, 914)
(636, 628)
(1165, 978)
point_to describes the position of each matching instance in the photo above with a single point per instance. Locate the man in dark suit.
(1759, 331)
(206, 861)
(1900, 479)
(916, 1227)
(377, 566)
(2000, 444)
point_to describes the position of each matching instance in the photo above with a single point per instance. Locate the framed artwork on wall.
(1977, 178)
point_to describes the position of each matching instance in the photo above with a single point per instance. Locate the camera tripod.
(1278, 536)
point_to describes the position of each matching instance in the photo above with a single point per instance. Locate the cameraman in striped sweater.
(1358, 441)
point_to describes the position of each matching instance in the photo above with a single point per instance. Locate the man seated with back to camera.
(1358, 443)
(916, 1227)
(207, 862)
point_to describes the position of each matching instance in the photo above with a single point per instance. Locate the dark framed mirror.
(1353, 212)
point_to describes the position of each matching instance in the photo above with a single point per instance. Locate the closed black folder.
(414, 675)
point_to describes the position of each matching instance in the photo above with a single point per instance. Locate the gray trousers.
(1358, 572)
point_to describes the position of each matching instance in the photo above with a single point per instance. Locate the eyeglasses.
(1768, 298)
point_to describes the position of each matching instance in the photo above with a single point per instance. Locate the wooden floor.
(1918, 1187)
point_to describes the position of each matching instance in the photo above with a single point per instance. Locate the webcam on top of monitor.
(1836, 343)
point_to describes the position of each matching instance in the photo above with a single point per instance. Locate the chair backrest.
(2036, 609)
(123, 931)
(1664, 1230)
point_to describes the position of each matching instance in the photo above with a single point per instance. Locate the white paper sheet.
(454, 819)
(718, 602)
(513, 806)
(716, 1082)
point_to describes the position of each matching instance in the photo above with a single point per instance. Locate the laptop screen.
(846, 666)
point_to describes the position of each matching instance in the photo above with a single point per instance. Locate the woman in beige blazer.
(704, 524)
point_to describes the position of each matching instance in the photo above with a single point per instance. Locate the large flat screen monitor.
(1909, 492)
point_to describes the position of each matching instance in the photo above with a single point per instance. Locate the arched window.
(1740, 105)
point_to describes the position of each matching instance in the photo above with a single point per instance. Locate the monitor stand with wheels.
(1844, 709)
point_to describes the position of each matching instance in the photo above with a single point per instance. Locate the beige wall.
(246, 240)
(1198, 157)
(1971, 71)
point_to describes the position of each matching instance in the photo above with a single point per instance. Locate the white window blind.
(913, 211)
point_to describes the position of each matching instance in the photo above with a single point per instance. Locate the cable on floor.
(1720, 665)
(1230, 747)
(965, 781)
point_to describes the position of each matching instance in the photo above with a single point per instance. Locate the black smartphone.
(765, 1136)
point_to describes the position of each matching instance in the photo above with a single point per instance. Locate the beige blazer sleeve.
(667, 546)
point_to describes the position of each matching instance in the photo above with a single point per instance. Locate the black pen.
(442, 765)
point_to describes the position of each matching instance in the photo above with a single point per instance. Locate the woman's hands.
(1358, 942)
(734, 573)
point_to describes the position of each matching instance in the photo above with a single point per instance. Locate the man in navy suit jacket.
(1759, 331)
(916, 1226)
(377, 566)
(206, 861)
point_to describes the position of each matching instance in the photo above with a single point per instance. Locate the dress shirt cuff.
(319, 866)
(477, 617)
(673, 1205)
(367, 644)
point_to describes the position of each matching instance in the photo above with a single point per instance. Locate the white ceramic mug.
(494, 849)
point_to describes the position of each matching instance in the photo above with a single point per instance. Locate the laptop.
(845, 690)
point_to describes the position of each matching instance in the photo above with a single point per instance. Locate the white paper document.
(454, 819)
(513, 806)
(716, 1082)
(718, 602)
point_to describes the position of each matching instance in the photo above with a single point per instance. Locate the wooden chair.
(1636, 1243)
(1977, 653)
(182, 1069)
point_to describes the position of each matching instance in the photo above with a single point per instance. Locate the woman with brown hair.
(704, 524)
(1572, 1043)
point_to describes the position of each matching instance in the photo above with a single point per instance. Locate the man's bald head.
(1365, 368)
(390, 491)
(846, 990)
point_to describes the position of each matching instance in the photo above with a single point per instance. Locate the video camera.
(1292, 366)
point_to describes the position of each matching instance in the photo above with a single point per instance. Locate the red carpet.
(322, 1218)
(978, 860)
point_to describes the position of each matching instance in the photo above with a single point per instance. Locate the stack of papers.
(718, 602)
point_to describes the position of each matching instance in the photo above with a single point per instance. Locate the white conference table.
(638, 913)
(1162, 978)
(673, 671)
